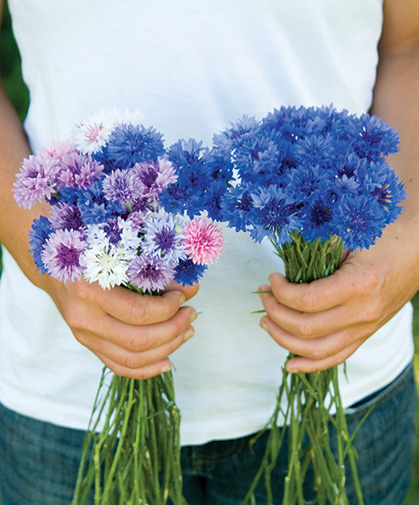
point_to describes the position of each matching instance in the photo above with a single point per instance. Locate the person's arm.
(132, 334)
(324, 322)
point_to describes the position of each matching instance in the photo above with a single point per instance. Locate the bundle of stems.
(135, 457)
(313, 404)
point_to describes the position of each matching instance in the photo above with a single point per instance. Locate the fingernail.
(189, 334)
(182, 299)
(263, 325)
(165, 368)
(193, 316)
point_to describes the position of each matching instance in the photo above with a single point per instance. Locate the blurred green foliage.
(10, 67)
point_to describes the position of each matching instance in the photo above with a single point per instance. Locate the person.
(192, 67)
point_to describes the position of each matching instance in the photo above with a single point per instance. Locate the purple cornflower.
(66, 217)
(61, 255)
(156, 176)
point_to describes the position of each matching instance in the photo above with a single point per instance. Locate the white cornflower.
(107, 264)
(93, 134)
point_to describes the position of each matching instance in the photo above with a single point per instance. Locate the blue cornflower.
(212, 199)
(189, 160)
(188, 272)
(39, 234)
(316, 149)
(372, 137)
(316, 220)
(275, 214)
(131, 144)
(95, 208)
(238, 134)
(236, 207)
(359, 221)
(306, 182)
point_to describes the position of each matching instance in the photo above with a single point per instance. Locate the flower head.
(129, 144)
(39, 234)
(92, 134)
(163, 237)
(106, 263)
(188, 272)
(203, 241)
(62, 253)
(37, 179)
(149, 273)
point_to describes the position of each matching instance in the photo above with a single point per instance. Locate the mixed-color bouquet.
(313, 181)
(107, 188)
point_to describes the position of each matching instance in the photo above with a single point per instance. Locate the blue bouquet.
(313, 181)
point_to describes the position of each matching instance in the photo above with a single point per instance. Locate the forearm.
(15, 222)
(396, 100)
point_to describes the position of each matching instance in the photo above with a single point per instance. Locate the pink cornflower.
(203, 241)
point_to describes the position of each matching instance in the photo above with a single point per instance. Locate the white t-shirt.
(192, 67)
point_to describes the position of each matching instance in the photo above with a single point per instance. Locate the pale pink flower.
(203, 241)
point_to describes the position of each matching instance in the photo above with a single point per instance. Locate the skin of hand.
(132, 334)
(326, 321)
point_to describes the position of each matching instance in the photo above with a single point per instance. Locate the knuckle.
(137, 311)
(309, 300)
(305, 330)
(133, 361)
(319, 353)
(141, 342)
(74, 318)
(371, 313)
(369, 282)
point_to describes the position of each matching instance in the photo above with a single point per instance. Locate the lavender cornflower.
(163, 237)
(149, 273)
(36, 180)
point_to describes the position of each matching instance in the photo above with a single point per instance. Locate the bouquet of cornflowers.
(313, 181)
(108, 225)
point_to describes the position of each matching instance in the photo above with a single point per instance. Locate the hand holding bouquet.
(108, 225)
(313, 181)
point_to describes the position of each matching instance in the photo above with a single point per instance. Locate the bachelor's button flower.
(163, 237)
(107, 264)
(40, 232)
(203, 241)
(274, 215)
(61, 255)
(188, 272)
(36, 179)
(359, 221)
(66, 217)
(129, 144)
(149, 273)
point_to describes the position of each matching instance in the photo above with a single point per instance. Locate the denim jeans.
(39, 461)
